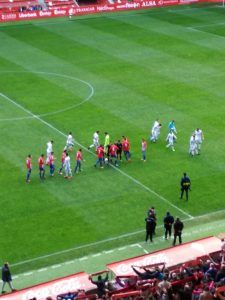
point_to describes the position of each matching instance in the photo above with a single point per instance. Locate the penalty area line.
(83, 147)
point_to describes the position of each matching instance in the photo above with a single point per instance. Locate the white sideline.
(120, 171)
(157, 241)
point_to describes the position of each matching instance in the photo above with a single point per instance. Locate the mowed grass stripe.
(128, 98)
(104, 214)
(174, 66)
(194, 231)
(120, 171)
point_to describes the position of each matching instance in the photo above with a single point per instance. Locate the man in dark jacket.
(185, 185)
(101, 284)
(168, 223)
(150, 228)
(178, 227)
(6, 277)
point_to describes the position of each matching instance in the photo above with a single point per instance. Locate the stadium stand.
(190, 271)
(60, 4)
(7, 6)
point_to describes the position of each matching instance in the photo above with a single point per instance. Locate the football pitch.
(116, 73)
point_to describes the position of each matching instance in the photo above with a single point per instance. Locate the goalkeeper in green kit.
(107, 144)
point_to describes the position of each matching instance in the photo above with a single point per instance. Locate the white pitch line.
(156, 241)
(122, 248)
(42, 270)
(134, 245)
(115, 168)
(141, 247)
(56, 266)
(28, 273)
(123, 173)
(83, 258)
(108, 252)
(206, 25)
(96, 255)
(69, 262)
(101, 242)
(57, 111)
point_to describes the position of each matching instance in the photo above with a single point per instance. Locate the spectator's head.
(174, 276)
(99, 277)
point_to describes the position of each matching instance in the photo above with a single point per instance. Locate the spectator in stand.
(168, 223)
(223, 251)
(164, 287)
(220, 293)
(178, 228)
(221, 273)
(206, 295)
(6, 277)
(149, 274)
(101, 284)
(212, 271)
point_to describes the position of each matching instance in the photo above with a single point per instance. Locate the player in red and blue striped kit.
(29, 167)
(41, 163)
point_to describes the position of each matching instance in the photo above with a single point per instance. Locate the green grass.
(166, 63)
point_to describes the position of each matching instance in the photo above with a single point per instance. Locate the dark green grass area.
(116, 73)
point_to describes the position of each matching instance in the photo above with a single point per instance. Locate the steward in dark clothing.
(150, 228)
(178, 227)
(168, 222)
(101, 285)
(6, 277)
(185, 184)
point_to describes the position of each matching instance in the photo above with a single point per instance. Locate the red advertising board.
(53, 288)
(91, 9)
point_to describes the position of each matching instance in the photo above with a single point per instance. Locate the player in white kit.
(95, 140)
(171, 137)
(199, 137)
(155, 131)
(193, 149)
(67, 168)
(70, 142)
(49, 151)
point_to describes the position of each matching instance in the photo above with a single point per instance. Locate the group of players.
(50, 161)
(107, 153)
(195, 140)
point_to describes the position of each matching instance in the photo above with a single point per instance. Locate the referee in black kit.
(185, 185)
